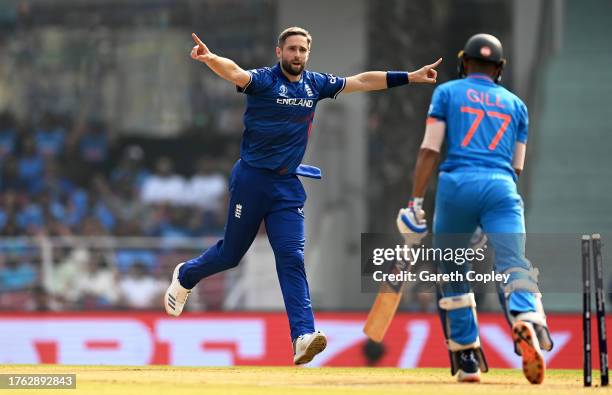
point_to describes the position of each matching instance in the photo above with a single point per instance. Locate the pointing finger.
(431, 66)
(197, 40)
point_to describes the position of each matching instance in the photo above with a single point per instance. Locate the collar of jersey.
(278, 71)
(481, 76)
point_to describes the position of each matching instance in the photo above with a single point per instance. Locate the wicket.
(593, 242)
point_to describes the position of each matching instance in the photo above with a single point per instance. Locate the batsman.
(485, 127)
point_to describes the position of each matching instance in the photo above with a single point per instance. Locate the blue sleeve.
(328, 85)
(523, 124)
(439, 104)
(260, 80)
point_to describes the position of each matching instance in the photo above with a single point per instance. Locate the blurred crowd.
(57, 179)
(84, 278)
(67, 176)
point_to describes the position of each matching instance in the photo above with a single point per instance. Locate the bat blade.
(382, 312)
(385, 305)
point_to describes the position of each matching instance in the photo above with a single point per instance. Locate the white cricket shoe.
(534, 366)
(176, 296)
(465, 377)
(307, 346)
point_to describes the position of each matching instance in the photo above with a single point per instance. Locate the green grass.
(167, 380)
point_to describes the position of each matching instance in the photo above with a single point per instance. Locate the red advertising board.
(222, 339)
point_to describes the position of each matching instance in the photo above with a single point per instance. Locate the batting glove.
(411, 221)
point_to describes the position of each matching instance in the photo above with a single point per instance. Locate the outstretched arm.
(377, 80)
(223, 67)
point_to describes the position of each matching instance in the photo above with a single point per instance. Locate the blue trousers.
(258, 195)
(487, 198)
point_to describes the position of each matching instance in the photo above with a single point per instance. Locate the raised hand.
(200, 51)
(426, 74)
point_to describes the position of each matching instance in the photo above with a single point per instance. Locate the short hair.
(293, 31)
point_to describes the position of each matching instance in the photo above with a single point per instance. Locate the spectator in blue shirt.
(8, 135)
(31, 166)
(16, 275)
(50, 137)
(31, 217)
(93, 144)
(54, 180)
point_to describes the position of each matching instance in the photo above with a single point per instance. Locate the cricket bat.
(387, 300)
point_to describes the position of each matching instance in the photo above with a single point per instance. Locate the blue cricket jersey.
(279, 115)
(483, 123)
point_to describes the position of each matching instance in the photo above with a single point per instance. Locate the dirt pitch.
(166, 380)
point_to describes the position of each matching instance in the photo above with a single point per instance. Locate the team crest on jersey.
(282, 91)
(308, 90)
(332, 78)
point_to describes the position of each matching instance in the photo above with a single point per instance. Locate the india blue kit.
(477, 184)
(483, 123)
(264, 186)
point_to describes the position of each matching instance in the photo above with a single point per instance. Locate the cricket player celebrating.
(264, 186)
(485, 127)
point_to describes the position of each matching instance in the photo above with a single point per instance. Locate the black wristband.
(397, 78)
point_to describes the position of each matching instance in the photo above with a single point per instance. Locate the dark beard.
(288, 67)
